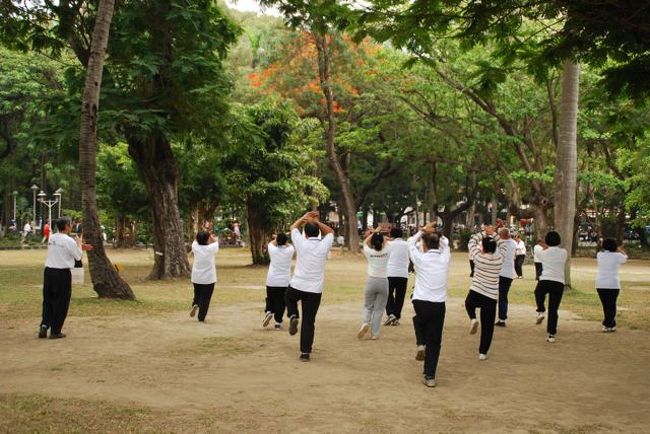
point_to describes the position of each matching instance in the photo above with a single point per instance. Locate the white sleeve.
(74, 249)
(297, 239)
(472, 245)
(214, 247)
(622, 258)
(414, 252)
(328, 240)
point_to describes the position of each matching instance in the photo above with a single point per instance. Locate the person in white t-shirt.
(608, 282)
(398, 276)
(506, 275)
(537, 259)
(277, 279)
(62, 252)
(551, 282)
(308, 279)
(377, 250)
(520, 256)
(204, 273)
(431, 263)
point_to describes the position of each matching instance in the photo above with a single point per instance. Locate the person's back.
(431, 272)
(309, 274)
(398, 261)
(279, 272)
(508, 266)
(609, 264)
(203, 268)
(553, 261)
(487, 268)
(377, 260)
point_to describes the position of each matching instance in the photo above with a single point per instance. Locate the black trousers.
(471, 268)
(430, 319)
(202, 296)
(538, 270)
(275, 301)
(504, 287)
(310, 302)
(554, 290)
(608, 299)
(488, 308)
(396, 294)
(57, 290)
(519, 262)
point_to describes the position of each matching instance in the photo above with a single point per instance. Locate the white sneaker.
(267, 319)
(540, 318)
(482, 356)
(390, 319)
(374, 337)
(363, 330)
(473, 326)
(429, 382)
(550, 339)
(419, 356)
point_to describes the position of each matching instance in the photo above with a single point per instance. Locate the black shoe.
(57, 335)
(42, 332)
(293, 327)
(304, 357)
(500, 323)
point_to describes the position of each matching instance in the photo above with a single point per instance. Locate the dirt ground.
(246, 378)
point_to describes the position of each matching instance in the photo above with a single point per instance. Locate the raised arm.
(301, 221)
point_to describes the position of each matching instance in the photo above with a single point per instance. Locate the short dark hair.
(62, 222)
(610, 244)
(553, 239)
(281, 239)
(396, 232)
(377, 241)
(432, 241)
(202, 238)
(311, 229)
(489, 245)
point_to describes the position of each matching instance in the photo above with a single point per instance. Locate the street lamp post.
(58, 194)
(49, 203)
(34, 190)
(14, 194)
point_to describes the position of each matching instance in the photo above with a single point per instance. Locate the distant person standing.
(46, 233)
(431, 263)
(520, 256)
(308, 279)
(204, 273)
(506, 275)
(608, 283)
(27, 231)
(277, 279)
(62, 252)
(398, 276)
(537, 249)
(484, 291)
(377, 250)
(551, 282)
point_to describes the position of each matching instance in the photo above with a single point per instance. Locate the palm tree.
(566, 161)
(106, 281)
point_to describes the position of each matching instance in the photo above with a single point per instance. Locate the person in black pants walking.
(484, 291)
(62, 252)
(608, 283)
(551, 282)
(204, 274)
(308, 279)
(431, 264)
(398, 276)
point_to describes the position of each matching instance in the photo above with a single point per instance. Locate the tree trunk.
(257, 234)
(566, 165)
(106, 281)
(349, 208)
(159, 171)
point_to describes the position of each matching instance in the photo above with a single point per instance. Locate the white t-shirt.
(609, 264)
(203, 268)
(27, 229)
(62, 251)
(398, 261)
(309, 274)
(536, 250)
(279, 272)
(508, 267)
(377, 260)
(431, 270)
(521, 248)
(553, 260)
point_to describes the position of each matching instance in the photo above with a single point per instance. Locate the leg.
(604, 301)
(538, 270)
(400, 295)
(519, 261)
(540, 295)
(195, 300)
(554, 299)
(48, 309)
(268, 306)
(470, 304)
(61, 300)
(381, 295)
(488, 313)
(206, 295)
(504, 287)
(390, 303)
(433, 337)
(612, 311)
(310, 303)
(418, 327)
(471, 268)
(291, 300)
(276, 297)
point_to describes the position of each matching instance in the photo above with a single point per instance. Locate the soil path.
(251, 377)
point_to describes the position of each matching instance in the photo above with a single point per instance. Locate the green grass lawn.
(21, 279)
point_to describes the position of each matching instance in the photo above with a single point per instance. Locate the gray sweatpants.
(376, 296)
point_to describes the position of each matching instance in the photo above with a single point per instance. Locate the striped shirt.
(487, 267)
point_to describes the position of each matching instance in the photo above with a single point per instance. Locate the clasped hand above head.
(429, 228)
